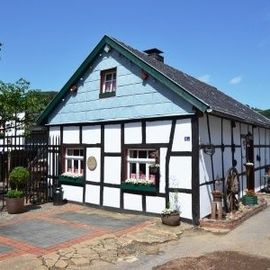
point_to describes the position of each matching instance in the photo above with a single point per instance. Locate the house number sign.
(91, 163)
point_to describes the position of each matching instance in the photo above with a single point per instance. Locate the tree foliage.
(266, 113)
(18, 98)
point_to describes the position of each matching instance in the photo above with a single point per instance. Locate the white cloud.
(236, 80)
(204, 78)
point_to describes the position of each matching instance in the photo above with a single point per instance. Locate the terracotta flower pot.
(172, 219)
(15, 205)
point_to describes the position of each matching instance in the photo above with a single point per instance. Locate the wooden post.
(216, 207)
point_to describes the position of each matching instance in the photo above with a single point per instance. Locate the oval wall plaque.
(91, 163)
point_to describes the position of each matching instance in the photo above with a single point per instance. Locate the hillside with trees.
(266, 113)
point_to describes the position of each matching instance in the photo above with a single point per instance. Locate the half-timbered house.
(125, 114)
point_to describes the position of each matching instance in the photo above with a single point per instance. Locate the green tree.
(18, 98)
(12, 98)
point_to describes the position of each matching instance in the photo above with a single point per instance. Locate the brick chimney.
(155, 53)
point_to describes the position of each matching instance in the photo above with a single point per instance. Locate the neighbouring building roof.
(203, 96)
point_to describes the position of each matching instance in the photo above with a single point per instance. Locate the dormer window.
(108, 82)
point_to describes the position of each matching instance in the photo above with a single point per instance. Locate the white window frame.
(80, 158)
(112, 81)
(147, 161)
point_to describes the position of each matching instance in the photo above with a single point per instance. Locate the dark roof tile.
(214, 98)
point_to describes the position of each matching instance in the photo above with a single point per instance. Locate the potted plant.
(170, 217)
(250, 198)
(171, 214)
(15, 197)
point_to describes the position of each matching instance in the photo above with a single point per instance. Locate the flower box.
(73, 181)
(249, 200)
(139, 187)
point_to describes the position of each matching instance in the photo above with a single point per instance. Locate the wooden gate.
(33, 153)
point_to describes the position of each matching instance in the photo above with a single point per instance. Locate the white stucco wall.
(182, 140)
(71, 135)
(133, 133)
(180, 172)
(91, 134)
(112, 137)
(158, 131)
(95, 174)
(133, 202)
(155, 204)
(111, 197)
(73, 193)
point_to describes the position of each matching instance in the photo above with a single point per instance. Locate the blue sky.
(225, 43)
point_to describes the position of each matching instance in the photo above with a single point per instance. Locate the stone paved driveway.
(42, 231)
(70, 236)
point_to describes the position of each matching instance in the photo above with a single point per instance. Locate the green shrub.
(15, 194)
(18, 178)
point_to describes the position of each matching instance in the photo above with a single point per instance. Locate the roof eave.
(239, 119)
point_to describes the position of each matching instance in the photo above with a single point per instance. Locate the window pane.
(70, 152)
(76, 152)
(151, 154)
(82, 166)
(153, 170)
(76, 166)
(108, 77)
(142, 167)
(114, 76)
(69, 165)
(81, 152)
(133, 153)
(107, 86)
(152, 178)
(142, 154)
(132, 170)
(113, 85)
